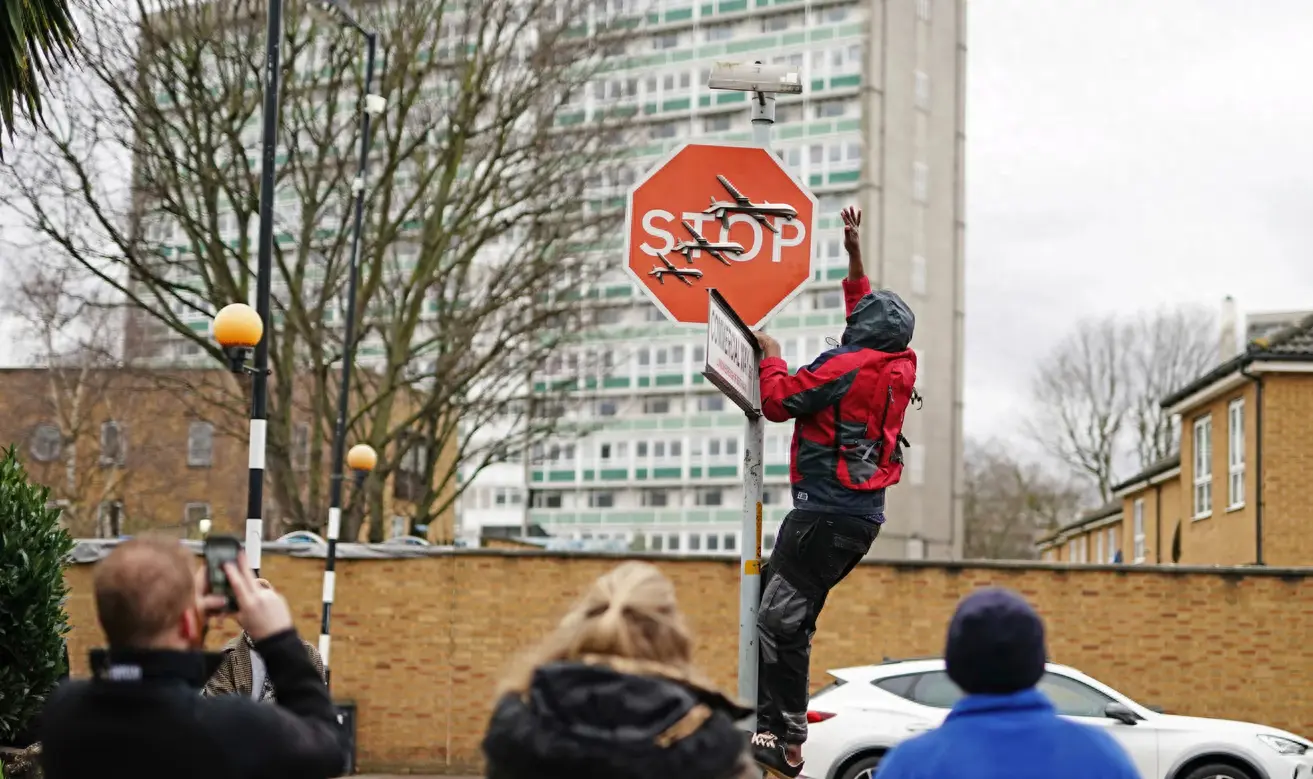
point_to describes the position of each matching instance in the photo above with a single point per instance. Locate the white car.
(868, 710)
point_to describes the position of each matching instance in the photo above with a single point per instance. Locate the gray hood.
(880, 321)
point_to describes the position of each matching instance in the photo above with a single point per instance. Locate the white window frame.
(1114, 542)
(1137, 526)
(200, 444)
(1202, 453)
(1235, 454)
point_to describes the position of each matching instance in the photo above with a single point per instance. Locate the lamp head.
(237, 326)
(362, 458)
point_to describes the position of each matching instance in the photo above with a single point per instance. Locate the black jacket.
(588, 721)
(142, 715)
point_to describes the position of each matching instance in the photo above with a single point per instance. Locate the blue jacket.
(1017, 736)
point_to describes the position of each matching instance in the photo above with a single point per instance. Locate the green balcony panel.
(794, 38)
(701, 515)
(777, 470)
(819, 128)
(815, 180)
(566, 120)
(615, 474)
(834, 274)
(617, 292)
(787, 321)
(730, 6)
(751, 44)
(682, 104)
(537, 475)
(680, 56)
(846, 82)
(644, 381)
(591, 519)
(722, 471)
(640, 474)
(650, 108)
(667, 473)
(822, 34)
(846, 177)
(590, 382)
(670, 380)
(673, 423)
(699, 379)
(615, 382)
(818, 85)
(589, 474)
(643, 517)
(679, 14)
(695, 472)
(792, 131)
(847, 125)
(560, 476)
(813, 320)
(708, 9)
(704, 101)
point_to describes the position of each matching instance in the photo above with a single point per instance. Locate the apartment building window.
(711, 402)
(1235, 457)
(613, 451)
(655, 498)
(672, 542)
(729, 542)
(922, 90)
(1203, 467)
(709, 497)
(662, 42)
(109, 519)
(918, 275)
(920, 182)
(300, 447)
(716, 124)
(694, 542)
(607, 408)
(719, 32)
(1114, 543)
(200, 445)
(601, 500)
(657, 543)
(767, 542)
(195, 513)
(545, 500)
(408, 481)
(113, 445)
(1137, 526)
(829, 109)
(46, 443)
(656, 405)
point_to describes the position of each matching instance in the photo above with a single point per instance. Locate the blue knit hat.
(995, 644)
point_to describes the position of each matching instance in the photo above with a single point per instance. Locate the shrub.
(33, 623)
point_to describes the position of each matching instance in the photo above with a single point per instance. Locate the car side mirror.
(1121, 713)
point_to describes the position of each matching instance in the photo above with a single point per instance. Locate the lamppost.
(239, 329)
(372, 105)
(361, 460)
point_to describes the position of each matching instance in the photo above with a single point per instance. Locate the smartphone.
(220, 550)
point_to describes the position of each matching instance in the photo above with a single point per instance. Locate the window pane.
(898, 685)
(937, 690)
(1073, 698)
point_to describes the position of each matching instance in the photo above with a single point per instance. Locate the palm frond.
(35, 37)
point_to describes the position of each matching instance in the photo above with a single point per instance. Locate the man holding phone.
(141, 712)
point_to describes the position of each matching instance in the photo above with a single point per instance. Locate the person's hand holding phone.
(261, 611)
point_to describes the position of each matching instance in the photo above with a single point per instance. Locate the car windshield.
(1070, 697)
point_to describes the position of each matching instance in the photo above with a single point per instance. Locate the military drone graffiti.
(683, 274)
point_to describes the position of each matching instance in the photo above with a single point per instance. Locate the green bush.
(33, 623)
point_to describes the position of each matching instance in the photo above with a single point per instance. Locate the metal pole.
(763, 116)
(348, 358)
(263, 281)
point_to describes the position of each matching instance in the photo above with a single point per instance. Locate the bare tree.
(1098, 391)
(1010, 502)
(487, 201)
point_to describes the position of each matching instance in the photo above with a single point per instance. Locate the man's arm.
(298, 737)
(856, 286)
(811, 389)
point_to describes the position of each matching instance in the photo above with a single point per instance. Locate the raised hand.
(852, 222)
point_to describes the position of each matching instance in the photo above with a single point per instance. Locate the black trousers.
(813, 553)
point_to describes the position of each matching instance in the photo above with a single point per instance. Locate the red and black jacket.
(848, 406)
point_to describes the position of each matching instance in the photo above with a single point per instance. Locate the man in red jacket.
(848, 407)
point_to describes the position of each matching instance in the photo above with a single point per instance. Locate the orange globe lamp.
(361, 458)
(238, 329)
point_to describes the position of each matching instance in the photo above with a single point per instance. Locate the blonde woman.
(612, 693)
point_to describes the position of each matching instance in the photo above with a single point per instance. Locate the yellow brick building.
(1241, 490)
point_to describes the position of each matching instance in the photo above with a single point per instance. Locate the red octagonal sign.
(728, 218)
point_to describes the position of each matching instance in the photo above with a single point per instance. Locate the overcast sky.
(1124, 154)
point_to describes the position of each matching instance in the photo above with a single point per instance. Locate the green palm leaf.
(35, 36)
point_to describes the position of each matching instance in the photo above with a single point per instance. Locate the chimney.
(1228, 344)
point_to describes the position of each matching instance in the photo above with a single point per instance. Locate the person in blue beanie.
(1004, 728)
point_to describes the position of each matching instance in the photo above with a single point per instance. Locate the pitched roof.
(1154, 469)
(1290, 344)
(1105, 511)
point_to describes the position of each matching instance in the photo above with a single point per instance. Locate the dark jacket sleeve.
(811, 389)
(299, 737)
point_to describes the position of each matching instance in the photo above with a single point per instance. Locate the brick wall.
(1287, 463)
(419, 643)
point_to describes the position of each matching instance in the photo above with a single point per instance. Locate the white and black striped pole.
(361, 460)
(239, 329)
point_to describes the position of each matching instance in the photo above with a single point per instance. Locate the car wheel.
(1218, 771)
(865, 768)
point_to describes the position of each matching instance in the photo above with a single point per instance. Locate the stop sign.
(728, 218)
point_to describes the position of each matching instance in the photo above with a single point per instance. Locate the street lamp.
(361, 459)
(764, 82)
(239, 329)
